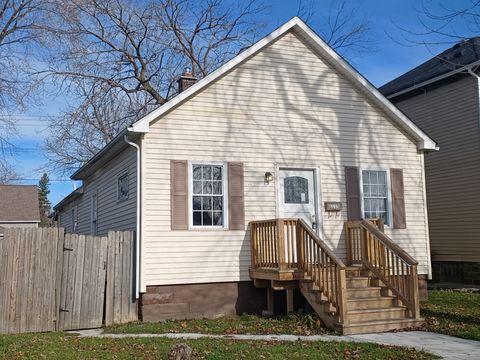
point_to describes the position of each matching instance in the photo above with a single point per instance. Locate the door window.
(296, 190)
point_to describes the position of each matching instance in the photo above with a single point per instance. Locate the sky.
(387, 58)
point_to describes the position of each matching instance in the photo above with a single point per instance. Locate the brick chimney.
(186, 80)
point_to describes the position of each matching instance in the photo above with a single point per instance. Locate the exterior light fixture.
(268, 177)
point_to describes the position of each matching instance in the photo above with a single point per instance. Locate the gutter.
(467, 68)
(138, 225)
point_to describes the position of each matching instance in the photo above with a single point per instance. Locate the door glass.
(296, 190)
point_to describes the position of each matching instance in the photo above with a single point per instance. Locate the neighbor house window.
(207, 195)
(94, 214)
(375, 195)
(122, 187)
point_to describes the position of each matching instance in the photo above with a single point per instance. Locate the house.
(285, 130)
(442, 97)
(18, 206)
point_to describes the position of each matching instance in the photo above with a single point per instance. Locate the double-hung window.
(375, 195)
(207, 199)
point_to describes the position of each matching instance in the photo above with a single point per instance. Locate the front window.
(122, 187)
(207, 199)
(375, 195)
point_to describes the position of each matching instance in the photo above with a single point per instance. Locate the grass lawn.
(453, 313)
(245, 324)
(61, 346)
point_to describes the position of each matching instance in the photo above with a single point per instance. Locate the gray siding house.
(269, 135)
(442, 97)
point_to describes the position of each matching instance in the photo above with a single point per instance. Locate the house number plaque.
(333, 206)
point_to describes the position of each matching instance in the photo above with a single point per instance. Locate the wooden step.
(365, 315)
(371, 303)
(362, 281)
(378, 326)
(366, 292)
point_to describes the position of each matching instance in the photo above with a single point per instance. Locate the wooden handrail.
(290, 244)
(322, 244)
(385, 259)
(388, 242)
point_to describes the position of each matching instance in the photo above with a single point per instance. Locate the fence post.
(282, 265)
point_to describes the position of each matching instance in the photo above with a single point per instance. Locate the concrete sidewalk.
(448, 347)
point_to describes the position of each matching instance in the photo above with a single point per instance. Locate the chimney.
(186, 80)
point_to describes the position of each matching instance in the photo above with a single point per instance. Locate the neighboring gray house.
(442, 97)
(18, 206)
(270, 134)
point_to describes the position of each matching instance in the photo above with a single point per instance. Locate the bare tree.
(118, 54)
(345, 27)
(7, 173)
(441, 23)
(19, 20)
(119, 59)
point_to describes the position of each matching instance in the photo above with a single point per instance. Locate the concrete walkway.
(448, 347)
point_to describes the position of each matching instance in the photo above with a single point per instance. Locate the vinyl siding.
(449, 113)
(112, 214)
(283, 107)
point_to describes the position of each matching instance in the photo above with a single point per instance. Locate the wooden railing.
(290, 244)
(367, 244)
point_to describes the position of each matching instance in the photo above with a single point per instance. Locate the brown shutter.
(353, 193)
(398, 199)
(236, 206)
(179, 194)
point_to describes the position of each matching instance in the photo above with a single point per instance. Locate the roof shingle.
(19, 203)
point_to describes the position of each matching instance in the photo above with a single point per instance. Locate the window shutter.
(353, 193)
(179, 194)
(236, 206)
(398, 199)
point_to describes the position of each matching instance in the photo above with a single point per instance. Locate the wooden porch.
(376, 290)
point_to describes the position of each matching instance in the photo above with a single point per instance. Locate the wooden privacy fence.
(51, 281)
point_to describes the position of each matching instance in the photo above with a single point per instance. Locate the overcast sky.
(387, 59)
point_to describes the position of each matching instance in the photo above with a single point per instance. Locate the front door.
(297, 194)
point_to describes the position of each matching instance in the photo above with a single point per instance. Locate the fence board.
(51, 281)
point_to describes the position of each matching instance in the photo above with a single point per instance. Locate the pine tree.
(43, 202)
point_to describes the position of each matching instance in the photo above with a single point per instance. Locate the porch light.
(268, 177)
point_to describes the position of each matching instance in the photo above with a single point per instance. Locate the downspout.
(138, 226)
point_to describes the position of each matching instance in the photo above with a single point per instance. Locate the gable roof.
(449, 62)
(19, 203)
(75, 194)
(297, 26)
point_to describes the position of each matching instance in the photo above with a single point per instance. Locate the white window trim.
(122, 174)
(389, 192)
(74, 214)
(224, 190)
(92, 232)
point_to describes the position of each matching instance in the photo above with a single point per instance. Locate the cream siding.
(449, 113)
(112, 214)
(284, 106)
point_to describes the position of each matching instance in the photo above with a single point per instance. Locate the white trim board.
(422, 140)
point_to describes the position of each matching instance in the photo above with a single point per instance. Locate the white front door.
(297, 195)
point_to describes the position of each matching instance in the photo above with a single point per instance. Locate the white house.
(286, 129)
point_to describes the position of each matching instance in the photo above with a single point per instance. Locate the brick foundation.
(195, 301)
(456, 272)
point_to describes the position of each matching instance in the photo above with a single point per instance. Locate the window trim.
(92, 232)
(389, 193)
(74, 218)
(122, 174)
(224, 165)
